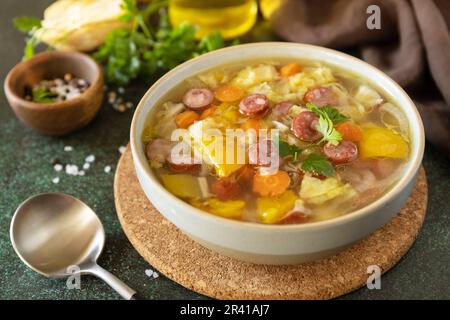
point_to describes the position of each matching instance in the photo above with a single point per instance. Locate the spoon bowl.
(52, 232)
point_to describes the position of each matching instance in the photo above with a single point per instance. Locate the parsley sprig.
(41, 94)
(327, 117)
(317, 164)
(139, 52)
(285, 149)
(29, 26)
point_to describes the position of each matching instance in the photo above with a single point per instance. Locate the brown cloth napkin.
(412, 46)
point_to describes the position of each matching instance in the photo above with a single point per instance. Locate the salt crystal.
(122, 149)
(57, 167)
(107, 169)
(86, 166)
(68, 148)
(90, 158)
(149, 272)
(55, 180)
(72, 169)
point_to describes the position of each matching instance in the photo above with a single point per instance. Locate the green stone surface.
(25, 169)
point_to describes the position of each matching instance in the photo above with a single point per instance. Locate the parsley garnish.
(139, 52)
(317, 164)
(42, 94)
(28, 25)
(325, 125)
(334, 114)
(285, 149)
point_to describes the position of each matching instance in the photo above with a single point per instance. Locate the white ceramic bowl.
(276, 244)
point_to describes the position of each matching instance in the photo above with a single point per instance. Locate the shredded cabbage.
(165, 119)
(300, 206)
(280, 126)
(210, 79)
(394, 119)
(274, 91)
(251, 76)
(368, 97)
(295, 110)
(316, 191)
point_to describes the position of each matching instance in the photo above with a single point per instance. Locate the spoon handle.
(118, 285)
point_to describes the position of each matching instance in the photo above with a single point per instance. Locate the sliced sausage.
(294, 217)
(158, 150)
(281, 109)
(345, 151)
(304, 126)
(186, 167)
(254, 105)
(321, 96)
(226, 188)
(198, 99)
(262, 153)
(245, 175)
(382, 168)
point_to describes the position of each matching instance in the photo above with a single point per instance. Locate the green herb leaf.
(139, 52)
(129, 8)
(28, 51)
(42, 94)
(209, 43)
(334, 114)
(317, 164)
(285, 149)
(325, 125)
(26, 24)
(176, 46)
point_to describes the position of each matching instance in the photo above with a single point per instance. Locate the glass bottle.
(268, 7)
(232, 18)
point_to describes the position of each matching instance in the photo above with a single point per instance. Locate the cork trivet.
(204, 271)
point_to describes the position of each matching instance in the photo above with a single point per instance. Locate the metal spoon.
(52, 232)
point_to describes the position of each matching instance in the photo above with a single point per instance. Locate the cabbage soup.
(303, 142)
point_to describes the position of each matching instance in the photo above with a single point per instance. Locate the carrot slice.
(228, 93)
(185, 119)
(208, 112)
(290, 69)
(251, 124)
(271, 185)
(350, 131)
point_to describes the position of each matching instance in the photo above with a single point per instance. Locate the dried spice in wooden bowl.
(57, 89)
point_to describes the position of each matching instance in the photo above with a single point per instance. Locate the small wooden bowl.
(56, 118)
